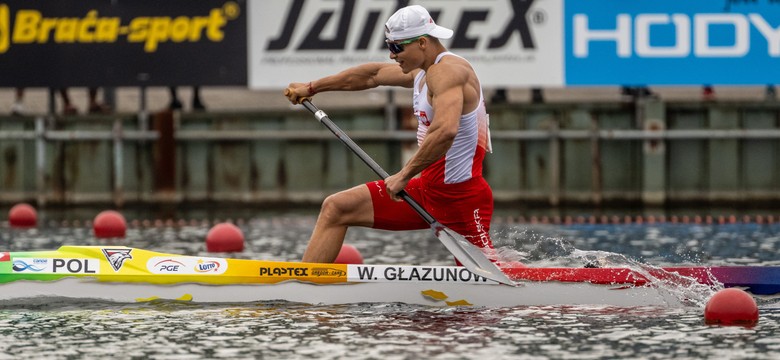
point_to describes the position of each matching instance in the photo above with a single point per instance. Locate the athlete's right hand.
(394, 184)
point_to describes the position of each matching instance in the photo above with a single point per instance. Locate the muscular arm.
(361, 77)
(445, 83)
(365, 76)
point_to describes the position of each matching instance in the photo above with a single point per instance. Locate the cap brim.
(440, 32)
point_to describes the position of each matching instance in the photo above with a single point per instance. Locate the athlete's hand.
(394, 184)
(297, 92)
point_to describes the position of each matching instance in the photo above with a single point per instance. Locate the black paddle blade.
(469, 255)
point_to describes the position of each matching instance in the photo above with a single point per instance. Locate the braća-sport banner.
(122, 42)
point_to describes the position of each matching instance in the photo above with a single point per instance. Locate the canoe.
(128, 275)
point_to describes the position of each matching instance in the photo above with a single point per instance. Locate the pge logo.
(167, 266)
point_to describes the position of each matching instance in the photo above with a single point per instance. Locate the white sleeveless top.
(463, 160)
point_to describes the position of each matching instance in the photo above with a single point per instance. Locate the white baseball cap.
(413, 21)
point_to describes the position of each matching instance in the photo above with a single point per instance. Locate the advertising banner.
(122, 42)
(672, 42)
(267, 44)
(509, 42)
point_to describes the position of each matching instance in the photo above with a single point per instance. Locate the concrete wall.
(648, 151)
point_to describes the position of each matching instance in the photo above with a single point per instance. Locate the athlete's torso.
(463, 160)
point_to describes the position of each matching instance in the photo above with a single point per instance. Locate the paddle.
(469, 255)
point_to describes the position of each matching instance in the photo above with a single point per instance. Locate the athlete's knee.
(331, 206)
(336, 208)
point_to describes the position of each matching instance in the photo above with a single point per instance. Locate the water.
(170, 330)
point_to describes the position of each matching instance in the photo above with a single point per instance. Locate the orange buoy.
(348, 255)
(731, 306)
(22, 216)
(109, 224)
(225, 237)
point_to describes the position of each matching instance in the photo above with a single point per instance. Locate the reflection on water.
(175, 330)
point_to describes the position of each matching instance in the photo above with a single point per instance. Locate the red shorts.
(465, 207)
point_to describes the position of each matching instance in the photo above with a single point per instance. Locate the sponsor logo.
(57, 266)
(5, 28)
(186, 265)
(484, 239)
(498, 37)
(204, 266)
(328, 272)
(449, 274)
(640, 35)
(31, 26)
(5, 256)
(379, 190)
(422, 117)
(33, 265)
(117, 257)
(167, 266)
(364, 23)
(284, 271)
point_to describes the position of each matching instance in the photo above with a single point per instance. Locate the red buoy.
(348, 255)
(731, 306)
(22, 216)
(225, 237)
(109, 224)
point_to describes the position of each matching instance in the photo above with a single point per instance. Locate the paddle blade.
(469, 255)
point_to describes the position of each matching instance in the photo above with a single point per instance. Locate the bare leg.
(94, 106)
(67, 106)
(339, 211)
(197, 104)
(175, 102)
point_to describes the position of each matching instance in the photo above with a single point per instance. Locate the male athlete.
(452, 135)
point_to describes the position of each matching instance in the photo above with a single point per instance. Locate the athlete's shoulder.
(453, 70)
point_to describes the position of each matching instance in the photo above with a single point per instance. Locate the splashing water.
(687, 289)
(538, 250)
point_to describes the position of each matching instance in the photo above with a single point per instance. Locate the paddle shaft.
(325, 120)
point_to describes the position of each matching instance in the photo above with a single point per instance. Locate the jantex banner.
(52, 43)
(509, 42)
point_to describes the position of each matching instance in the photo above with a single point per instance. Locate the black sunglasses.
(397, 48)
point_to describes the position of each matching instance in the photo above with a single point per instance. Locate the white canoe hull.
(527, 294)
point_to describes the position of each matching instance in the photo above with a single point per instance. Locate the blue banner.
(672, 42)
